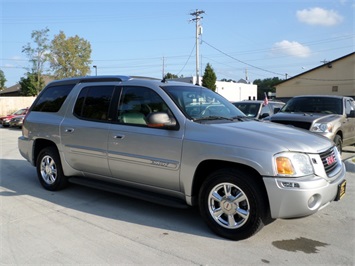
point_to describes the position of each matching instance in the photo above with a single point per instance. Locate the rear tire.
(232, 205)
(49, 170)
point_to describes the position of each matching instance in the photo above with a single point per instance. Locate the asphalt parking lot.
(80, 225)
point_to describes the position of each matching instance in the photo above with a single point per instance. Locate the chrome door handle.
(118, 136)
(69, 130)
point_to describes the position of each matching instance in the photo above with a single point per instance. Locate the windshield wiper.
(213, 117)
(242, 118)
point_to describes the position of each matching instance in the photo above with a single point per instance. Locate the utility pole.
(197, 19)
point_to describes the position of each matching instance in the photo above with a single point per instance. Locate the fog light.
(290, 184)
(314, 201)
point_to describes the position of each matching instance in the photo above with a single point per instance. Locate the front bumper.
(5, 123)
(299, 197)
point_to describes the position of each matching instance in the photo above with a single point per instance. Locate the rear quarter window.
(52, 98)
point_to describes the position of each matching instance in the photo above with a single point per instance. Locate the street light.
(95, 69)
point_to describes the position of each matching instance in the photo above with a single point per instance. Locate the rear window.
(52, 99)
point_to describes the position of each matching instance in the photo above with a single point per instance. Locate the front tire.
(231, 203)
(338, 143)
(49, 170)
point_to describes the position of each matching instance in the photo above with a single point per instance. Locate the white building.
(237, 91)
(232, 91)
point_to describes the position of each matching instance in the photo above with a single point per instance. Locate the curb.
(350, 165)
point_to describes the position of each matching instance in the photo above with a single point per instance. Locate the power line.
(188, 59)
(242, 61)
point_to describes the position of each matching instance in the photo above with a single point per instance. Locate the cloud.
(319, 16)
(291, 48)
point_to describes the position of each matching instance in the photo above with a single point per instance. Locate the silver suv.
(179, 144)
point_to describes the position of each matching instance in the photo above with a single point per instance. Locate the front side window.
(52, 98)
(137, 103)
(93, 103)
(265, 111)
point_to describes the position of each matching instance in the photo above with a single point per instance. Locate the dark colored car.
(5, 120)
(258, 109)
(17, 121)
(328, 115)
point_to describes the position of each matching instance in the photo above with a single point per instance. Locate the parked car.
(17, 121)
(327, 115)
(179, 144)
(5, 120)
(258, 109)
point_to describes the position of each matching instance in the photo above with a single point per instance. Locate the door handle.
(118, 137)
(69, 130)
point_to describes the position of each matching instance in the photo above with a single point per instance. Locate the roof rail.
(103, 78)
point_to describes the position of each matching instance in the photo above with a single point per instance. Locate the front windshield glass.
(20, 112)
(322, 105)
(201, 103)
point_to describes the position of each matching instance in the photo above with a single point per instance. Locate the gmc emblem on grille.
(330, 159)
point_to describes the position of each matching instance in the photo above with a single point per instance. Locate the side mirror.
(264, 115)
(276, 110)
(161, 120)
(352, 114)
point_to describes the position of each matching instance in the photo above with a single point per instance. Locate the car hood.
(259, 135)
(7, 117)
(304, 117)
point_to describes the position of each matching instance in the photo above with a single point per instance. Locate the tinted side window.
(93, 103)
(52, 98)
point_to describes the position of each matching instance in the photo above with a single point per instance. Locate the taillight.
(24, 129)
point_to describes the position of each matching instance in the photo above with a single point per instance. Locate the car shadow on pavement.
(19, 178)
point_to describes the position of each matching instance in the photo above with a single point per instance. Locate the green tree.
(31, 85)
(70, 57)
(209, 78)
(266, 85)
(38, 54)
(170, 76)
(2, 80)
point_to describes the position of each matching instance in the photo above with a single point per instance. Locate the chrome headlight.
(322, 127)
(292, 164)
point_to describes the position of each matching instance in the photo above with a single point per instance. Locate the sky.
(253, 39)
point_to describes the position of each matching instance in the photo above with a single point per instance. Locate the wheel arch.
(39, 145)
(208, 166)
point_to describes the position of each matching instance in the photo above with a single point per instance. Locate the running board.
(130, 192)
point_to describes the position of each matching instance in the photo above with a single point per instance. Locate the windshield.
(314, 105)
(199, 103)
(20, 112)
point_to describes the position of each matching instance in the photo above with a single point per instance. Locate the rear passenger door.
(84, 130)
(139, 154)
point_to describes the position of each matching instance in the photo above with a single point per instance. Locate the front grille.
(304, 125)
(329, 160)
